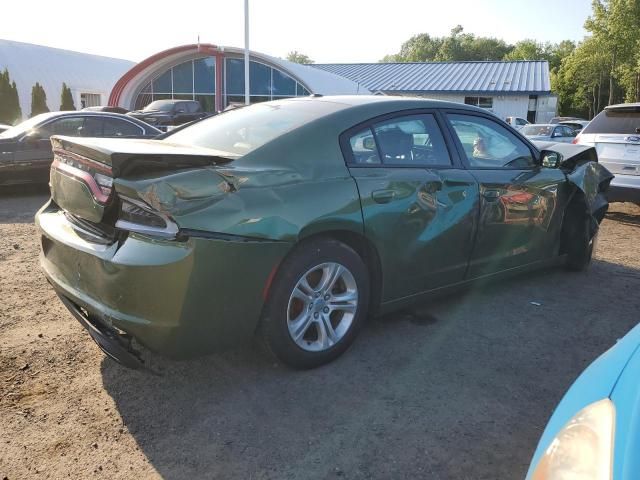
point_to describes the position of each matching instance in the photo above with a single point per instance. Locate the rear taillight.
(136, 216)
(97, 176)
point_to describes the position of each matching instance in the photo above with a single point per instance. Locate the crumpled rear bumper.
(177, 298)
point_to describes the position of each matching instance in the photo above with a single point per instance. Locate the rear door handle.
(491, 195)
(383, 196)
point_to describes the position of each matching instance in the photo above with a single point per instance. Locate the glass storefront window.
(183, 78)
(204, 70)
(162, 84)
(196, 80)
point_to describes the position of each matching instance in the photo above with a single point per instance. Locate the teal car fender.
(613, 375)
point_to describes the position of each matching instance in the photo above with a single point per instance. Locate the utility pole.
(246, 52)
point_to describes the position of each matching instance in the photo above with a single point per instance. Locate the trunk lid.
(83, 171)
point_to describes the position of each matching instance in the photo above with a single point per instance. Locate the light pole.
(246, 52)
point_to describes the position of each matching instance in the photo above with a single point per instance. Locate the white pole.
(246, 52)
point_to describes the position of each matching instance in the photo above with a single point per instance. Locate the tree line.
(602, 69)
(10, 111)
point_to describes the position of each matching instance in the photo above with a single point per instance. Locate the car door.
(34, 154)
(418, 204)
(520, 214)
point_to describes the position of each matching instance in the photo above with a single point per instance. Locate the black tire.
(274, 324)
(579, 243)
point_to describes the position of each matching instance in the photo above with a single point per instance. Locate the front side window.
(488, 144)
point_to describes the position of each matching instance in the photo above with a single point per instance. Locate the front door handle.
(491, 195)
(383, 196)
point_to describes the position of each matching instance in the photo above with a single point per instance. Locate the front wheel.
(580, 244)
(317, 303)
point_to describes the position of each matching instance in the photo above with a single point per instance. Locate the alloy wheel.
(322, 307)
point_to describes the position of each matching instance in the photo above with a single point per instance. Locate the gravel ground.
(458, 389)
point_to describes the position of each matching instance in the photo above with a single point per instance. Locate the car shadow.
(21, 202)
(462, 385)
(625, 218)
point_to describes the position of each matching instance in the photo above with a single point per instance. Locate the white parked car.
(615, 133)
(516, 122)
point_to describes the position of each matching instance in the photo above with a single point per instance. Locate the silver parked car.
(576, 125)
(516, 122)
(615, 132)
(548, 133)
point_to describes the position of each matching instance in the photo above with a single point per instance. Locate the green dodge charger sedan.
(297, 219)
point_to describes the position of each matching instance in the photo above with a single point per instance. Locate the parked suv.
(615, 132)
(165, 113)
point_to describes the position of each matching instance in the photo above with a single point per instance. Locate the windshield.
(162, 105)
(25, 126)
(243, 130)
(612, 121)
(531, 130)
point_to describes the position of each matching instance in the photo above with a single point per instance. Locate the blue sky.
(327, 30)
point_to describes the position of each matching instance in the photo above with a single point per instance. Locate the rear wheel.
(317, 303)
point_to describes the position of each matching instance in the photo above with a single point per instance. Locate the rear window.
(544, 130)
(243, 130)
(615, 121)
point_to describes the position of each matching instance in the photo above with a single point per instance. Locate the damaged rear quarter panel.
(261, 195)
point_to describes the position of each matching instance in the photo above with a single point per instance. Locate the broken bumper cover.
(114, 344)
(179, 299)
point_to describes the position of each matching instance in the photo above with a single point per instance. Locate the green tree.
(458, 46)
(38, 100)
(66, 99)
(297, 57)
(613, 25)
(10, 111)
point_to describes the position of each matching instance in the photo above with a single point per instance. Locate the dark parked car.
(165, 113)
(296, 219)
(25, 150)
(106, 108)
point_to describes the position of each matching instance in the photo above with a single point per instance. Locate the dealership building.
(517, 88)
(90, 77)
(214, 75)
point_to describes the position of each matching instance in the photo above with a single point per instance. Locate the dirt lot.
(459, 389)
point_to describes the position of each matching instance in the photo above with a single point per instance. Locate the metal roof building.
(90, 77)
(518, 88)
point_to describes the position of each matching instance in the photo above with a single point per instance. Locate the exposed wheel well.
(576, 206)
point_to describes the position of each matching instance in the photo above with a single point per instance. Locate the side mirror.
(369, 143)
(550, 159)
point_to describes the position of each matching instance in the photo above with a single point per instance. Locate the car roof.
(385, 102)
(624, 106)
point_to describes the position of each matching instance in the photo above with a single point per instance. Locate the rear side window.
(193, 107)
(413, 140)
(114, 127)
(612, 121)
